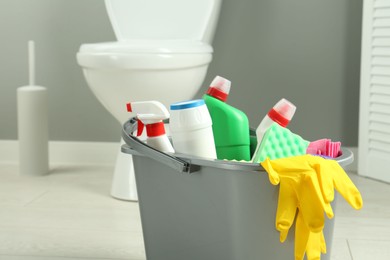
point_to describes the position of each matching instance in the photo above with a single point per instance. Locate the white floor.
(70, 215)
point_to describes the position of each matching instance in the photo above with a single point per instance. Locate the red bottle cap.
(278, 118)
(219, 88)
(156, 129)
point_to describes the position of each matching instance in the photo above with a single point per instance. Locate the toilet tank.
(164, 19)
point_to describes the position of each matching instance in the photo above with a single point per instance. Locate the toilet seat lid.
(157, 19)
(144, 46)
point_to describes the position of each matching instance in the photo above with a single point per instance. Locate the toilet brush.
(32, 124)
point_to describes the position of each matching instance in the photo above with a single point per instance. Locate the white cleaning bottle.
(33, 124)
(151, 114)
(191, 129)
(281, 113)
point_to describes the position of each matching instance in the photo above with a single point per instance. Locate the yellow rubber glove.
(307, 183)
(302, 234)
(296, 192)
(332, 176)
(315, 246)
(299, 187)
(311, 243)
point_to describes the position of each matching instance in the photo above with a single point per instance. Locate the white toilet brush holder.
(32, 114)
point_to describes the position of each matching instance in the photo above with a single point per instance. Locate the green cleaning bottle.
(230, 125)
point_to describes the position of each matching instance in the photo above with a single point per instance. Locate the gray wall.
(306, 51)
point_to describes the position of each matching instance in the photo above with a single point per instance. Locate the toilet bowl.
(162, 53)
(120, 72)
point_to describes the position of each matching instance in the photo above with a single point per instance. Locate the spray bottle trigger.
(140, 127)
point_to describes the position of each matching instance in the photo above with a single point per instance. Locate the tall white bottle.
(151, 114)
(191, 129)
(281, 113)
(32, 124)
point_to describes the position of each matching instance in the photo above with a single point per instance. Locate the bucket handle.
(134, 143)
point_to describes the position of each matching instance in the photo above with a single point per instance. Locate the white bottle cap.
(282, 112)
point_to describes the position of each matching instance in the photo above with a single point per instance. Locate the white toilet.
(162, 53)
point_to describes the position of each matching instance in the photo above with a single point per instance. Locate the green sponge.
(279, 142)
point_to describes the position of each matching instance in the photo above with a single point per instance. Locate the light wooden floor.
(70, 215)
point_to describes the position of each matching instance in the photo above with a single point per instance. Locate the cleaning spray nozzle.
(151, 114)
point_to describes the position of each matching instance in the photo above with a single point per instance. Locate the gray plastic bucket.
(199, 209)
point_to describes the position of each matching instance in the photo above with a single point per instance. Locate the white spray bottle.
(151, 114)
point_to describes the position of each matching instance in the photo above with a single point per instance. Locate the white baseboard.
(67, 152)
